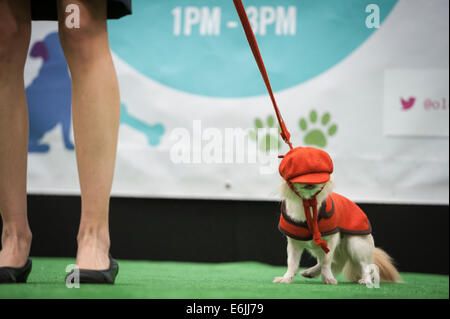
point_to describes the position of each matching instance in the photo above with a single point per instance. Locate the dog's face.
(307, 191)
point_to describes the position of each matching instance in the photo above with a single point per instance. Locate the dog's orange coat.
(339, 215)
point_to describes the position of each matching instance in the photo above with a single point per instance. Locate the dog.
(49, 95)
(347, 244)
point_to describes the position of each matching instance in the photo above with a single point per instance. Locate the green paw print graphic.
(269, 141)
(317, 136)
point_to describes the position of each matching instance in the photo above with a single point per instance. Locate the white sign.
(376, 99)
(416, 102)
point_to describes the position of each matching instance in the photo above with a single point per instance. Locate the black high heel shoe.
(107, 276)
(11, 275)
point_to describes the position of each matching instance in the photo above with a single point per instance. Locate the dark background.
(415, 236)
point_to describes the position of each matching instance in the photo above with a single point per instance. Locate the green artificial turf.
(142, 279)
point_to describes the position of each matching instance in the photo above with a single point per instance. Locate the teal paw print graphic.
(317, 136)
(268, 141)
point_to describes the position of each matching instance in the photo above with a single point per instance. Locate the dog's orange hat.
(306, 165)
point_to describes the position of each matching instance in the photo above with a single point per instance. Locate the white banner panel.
(413, 107)
(367, 81)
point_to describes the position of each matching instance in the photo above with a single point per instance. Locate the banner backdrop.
(367, 81)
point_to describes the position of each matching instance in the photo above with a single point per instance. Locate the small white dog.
(352, 253)
(337, 232)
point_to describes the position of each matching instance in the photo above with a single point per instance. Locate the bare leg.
(96, 116)
(294, 252)
(15, 30)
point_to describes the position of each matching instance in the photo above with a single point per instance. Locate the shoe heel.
(24, 276)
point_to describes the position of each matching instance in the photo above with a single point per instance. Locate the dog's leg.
(360, 249)
(325, 263)
(327, 259)
(340, 258)
(366, 278)
(311, 272)
(294, 251)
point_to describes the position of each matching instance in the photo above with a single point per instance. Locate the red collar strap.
(313, 226)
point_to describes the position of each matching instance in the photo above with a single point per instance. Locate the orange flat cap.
(306, 165)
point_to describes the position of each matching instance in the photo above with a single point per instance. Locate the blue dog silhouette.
(49, 95)
(49, 99)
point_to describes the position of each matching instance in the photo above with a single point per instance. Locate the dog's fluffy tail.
(388, 272)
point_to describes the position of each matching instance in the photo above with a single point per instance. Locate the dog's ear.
(286, 192)
(327, 189)
(331, 181)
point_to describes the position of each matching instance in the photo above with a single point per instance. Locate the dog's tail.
(388, 272)
(384, 262)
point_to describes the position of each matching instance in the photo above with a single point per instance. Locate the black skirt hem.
(45, 10)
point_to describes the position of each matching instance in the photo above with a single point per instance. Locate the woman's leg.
(15, 30)
(96, 116)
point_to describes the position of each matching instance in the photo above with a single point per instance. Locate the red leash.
(307, 204)
(257, 54)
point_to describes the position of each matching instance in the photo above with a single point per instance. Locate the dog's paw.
(329, 281)
(283, 280)
(364, 282)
